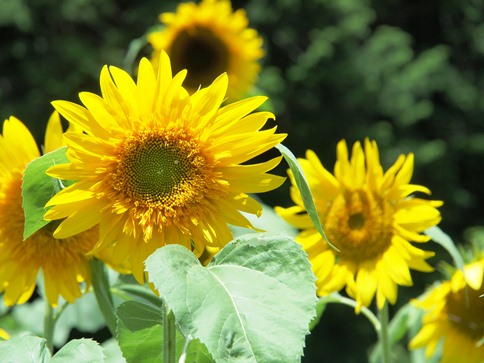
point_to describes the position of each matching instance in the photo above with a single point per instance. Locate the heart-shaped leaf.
(253, 302)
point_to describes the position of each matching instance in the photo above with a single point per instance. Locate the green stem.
(183, 356)
(169, 336)
(383, 334)
(100, 285)
(335, 297)
(49, 324)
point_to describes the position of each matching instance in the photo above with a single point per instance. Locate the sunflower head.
(455, 314)
(157, 165)
(370, 216)
(209, 39)
(62, 262)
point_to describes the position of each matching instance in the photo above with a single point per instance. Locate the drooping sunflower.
(209, 39)
(62, 262)
(455, 314)
(370, 216)
(158, 166)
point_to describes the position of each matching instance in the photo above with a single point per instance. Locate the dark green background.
(408, 74)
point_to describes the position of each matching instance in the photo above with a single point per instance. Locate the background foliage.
(406, 73)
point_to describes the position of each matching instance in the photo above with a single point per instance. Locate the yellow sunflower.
(455, 313)
(63, 262)
(370, 217)
(209, 39)
(158, 166)
(4, 335)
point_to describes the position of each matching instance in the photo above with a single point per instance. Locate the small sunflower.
(455, 313)
(209, 39)
(63, 262)
(158, 166)
(4, 335)
(370, 217)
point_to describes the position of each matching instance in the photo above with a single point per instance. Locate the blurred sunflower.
(159, 166)
(455, 313)
(209, 39)
(4, 335)
(63, 262)
(370, 217)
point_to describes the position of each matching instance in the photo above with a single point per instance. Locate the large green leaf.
(303, 186)
(38, 188)
(253, 302)
(79, 351)
(25, 349)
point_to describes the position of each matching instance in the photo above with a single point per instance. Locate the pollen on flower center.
(359, 224)
(160, 169)
(465, 310)
(202, 53)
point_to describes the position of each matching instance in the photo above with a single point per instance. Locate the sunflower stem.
(169, 336)
(49, 324)
(100, 285)
(335, 297)
(383, 334)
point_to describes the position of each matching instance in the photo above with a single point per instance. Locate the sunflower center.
(359, 224)
(202, 53)
(465, 310)
(160, 169)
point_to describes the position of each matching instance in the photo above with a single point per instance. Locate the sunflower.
(63, 262)
(455, 313)
(370, 217)
(209, 39)
(4, 335)
(158, 166)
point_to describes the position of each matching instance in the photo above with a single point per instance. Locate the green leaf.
(398, 326)
(140, 332)
(25, 349)
(270, 221)
(445, 241)
(253, 302)
(140, 335)
(38, 188)
(303, 187)
(139, 293)
(112, 351)
(198, 352)
(79, 351)
(320, 308)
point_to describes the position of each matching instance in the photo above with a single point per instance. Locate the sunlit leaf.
(25, 349)
(80, 351)
(445, 241)
(320, 308)
(253, 302)
(38, 188)
(303, 187)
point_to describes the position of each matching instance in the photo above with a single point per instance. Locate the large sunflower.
(370, 217)
(63, 262)
(159, 166)
(207, 40)
(455, 314)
